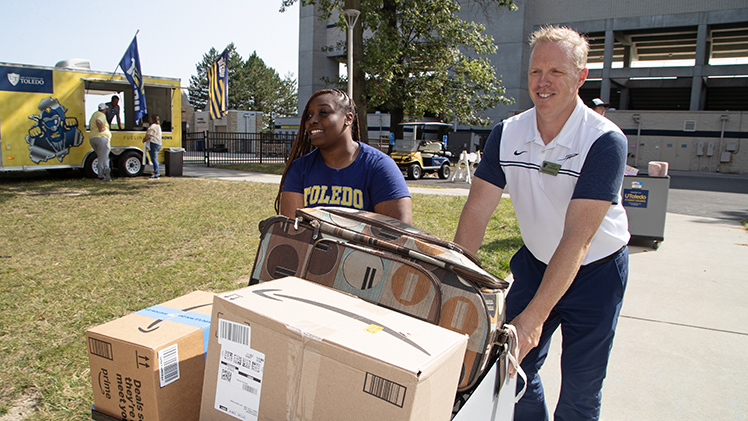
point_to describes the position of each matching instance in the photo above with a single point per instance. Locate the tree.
(262, 89)
(421, 59)
(252, 87)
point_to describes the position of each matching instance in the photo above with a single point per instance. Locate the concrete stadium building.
(674, 72)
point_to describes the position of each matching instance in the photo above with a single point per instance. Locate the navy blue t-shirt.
(371, 179)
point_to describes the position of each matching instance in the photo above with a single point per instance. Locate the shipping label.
(240, 372)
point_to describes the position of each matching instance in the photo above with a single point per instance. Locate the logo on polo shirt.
(567, 157)
(519, 152)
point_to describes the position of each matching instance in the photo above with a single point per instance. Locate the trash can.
(174, 159)
(645, 199)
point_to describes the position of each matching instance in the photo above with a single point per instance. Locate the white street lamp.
(351, 16)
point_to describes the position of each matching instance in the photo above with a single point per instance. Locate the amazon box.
(149, 365)
(290, 349)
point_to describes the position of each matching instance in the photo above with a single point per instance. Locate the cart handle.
(511, 347)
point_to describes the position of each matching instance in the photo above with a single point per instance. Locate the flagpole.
(123, 55)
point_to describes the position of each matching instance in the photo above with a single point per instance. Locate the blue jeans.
(588, 315)
(153, 153)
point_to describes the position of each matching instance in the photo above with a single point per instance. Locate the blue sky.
(173, 36)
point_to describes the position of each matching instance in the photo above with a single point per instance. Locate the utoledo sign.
(21, 79)
(635, 198)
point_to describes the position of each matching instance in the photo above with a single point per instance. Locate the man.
(564, 165)
(599, 106)
(99, 137)
(112, 110)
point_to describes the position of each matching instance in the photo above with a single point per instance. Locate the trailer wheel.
(91, 166)
(415, 172)
(444, 171)
(130, 164)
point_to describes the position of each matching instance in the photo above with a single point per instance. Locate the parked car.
(416, 157)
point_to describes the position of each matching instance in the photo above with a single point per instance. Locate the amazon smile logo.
(276, 295)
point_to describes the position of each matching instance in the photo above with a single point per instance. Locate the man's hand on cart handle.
(528, 336)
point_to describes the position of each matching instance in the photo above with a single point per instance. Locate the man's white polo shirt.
(585, 161)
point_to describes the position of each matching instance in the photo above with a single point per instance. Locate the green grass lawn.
(76, 253)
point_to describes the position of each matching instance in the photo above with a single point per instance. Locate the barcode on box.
(385, 389)
(233, 332)
(168, 365)
(100, 348)
(250, 389)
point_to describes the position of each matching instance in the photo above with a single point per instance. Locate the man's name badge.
(550, 168)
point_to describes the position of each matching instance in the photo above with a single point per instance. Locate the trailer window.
(158, 101)
(94, 99)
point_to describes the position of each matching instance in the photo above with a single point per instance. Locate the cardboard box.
(149, 365)
(289, 349)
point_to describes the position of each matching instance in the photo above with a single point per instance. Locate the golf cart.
(414, 157)
(421, 155)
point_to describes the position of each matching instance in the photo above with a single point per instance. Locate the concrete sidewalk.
(681, 349)
(224, 174)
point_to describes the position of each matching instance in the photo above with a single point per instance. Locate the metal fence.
(217, 148)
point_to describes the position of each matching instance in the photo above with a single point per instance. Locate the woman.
(329, 166)
(153, 135)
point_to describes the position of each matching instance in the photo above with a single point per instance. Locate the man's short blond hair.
(580, 46)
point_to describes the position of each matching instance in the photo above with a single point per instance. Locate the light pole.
(351, 16)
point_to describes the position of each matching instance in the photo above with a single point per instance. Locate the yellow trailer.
(44, 117)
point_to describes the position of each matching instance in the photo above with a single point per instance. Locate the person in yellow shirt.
(99, 137)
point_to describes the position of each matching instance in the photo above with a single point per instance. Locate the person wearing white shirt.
(565, 165)
(153, 136)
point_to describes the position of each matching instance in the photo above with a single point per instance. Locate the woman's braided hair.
(303, 145)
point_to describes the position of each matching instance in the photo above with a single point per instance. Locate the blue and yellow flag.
(218, 86)
(130, 64)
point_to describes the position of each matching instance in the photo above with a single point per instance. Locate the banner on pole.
(218, 86)
(130, 64)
